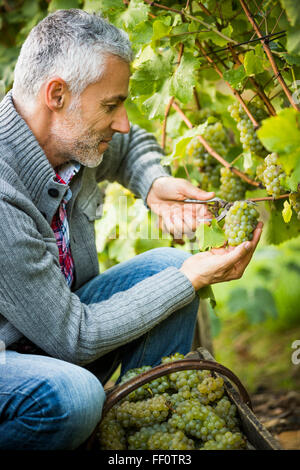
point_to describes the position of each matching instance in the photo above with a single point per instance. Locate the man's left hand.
(166, 197)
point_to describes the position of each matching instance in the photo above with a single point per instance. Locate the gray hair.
(71, 44)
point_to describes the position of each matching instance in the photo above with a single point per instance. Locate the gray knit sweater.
(35, 300)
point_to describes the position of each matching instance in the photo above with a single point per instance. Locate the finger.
(189, 191)
(237, 254)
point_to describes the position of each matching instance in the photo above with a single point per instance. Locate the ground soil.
(279, 412)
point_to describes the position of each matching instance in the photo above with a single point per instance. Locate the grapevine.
(193, 413)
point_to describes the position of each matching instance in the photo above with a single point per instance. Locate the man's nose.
(121, 122)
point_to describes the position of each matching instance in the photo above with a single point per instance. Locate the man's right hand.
(220, 264)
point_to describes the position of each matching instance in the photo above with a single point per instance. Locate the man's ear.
(56, 91)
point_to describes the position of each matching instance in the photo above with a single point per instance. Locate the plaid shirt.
(60, 224)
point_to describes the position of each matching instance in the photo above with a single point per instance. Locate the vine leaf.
(155, 105)
(136, 13)
(181, 143)
(210, 236)
(184, 78)
(277, 231)
(281, 133)
(235, 76)
(253, 64)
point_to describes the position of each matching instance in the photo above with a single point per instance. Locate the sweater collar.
(30, 161)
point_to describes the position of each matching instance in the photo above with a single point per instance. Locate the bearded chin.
(92, 162)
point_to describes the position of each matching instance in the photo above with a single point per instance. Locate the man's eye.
(111, 107)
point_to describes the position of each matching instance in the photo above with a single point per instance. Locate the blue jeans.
(46, 403)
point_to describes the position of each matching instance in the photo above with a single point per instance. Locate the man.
(63, 129)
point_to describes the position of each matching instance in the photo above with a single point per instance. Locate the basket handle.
(163, 369)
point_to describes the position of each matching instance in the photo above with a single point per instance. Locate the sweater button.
(53, 192)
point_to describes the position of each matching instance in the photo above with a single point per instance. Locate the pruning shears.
(216, 204)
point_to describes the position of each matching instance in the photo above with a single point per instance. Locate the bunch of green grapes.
(240, 222)
(295, 203)
(212, 388)
(170, 441)
(227, 410)
(156, 386)
(271, 174)
(248, 135)
(142, 413)
(232, 187)
(189, 416)
(192, 413)
(201, 115)
(216, 136)
(111, 433)
(138, 440)
(227, 441)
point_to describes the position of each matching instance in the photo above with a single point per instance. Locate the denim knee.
(80, 396)
(47, 404)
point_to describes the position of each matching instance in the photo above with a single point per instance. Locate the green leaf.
(136, 13)
(184, 78)
(235, 76)
(253, 64)
(63, 5)
(155, 105)
(292, 10)
(161, 28)
(156, 65)
(281, 133)
(293, 40)
(180, 144)
(210, 236)
(277, 231)
(294, 179)
(207, 293)
(141, 34)
(287, 212)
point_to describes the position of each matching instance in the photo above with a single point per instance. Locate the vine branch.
(212, 152)
(269, 54)
(269, 198)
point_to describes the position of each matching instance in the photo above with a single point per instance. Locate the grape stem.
(212, 152)
(234, 91)
(269, 54)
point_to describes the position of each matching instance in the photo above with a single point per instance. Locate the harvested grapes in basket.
(185, 410)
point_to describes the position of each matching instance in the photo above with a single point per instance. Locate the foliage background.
(258, 317)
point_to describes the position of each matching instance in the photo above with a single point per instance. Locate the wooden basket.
(258, 437)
